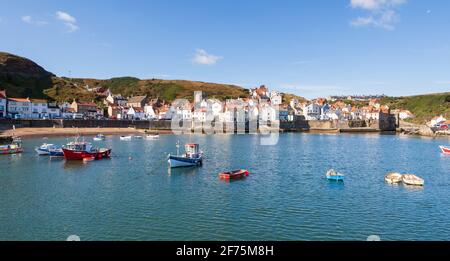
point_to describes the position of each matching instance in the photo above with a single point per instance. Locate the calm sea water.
(134, 196)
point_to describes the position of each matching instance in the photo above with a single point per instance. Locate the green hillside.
(424, 107)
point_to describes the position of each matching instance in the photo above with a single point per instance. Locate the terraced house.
(19, 108)
(39, 109)
(2, 104)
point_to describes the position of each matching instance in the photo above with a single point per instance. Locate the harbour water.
(135, 196)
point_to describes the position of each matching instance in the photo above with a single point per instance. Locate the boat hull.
(335, 178)
(177, 162)
(445, 150)
(11, 151)
(56, 153)
(42, 152)
(80, 155)
(236, 174)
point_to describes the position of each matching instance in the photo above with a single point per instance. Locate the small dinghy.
(125, 137)
(445, 150)
(138, 137)
(152, 136)
(235, 174)
(413, 180)
(393, 178)
(99, 137)
(334, 175)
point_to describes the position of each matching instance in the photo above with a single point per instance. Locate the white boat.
(413, 180)
(45, 149)
(393, 178)
(192, 157)
(125, 137)
(99, 137)
(138, 137)
(152, 136)
(334, 175)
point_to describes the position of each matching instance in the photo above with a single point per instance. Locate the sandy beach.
(29, 132)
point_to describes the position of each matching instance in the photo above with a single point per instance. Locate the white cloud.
(29, 20)
(428, 11)
(68, 20)
(202, 57)
(381, 13)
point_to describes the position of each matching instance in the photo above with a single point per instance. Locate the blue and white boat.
(57, 152)
(99, 137)
(192, 157)
(333, 175)
(45, 148)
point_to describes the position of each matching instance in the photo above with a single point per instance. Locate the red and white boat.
(445, 150)
(80, 150)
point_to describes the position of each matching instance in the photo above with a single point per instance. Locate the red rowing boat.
(445, 150)
(83, 150)
(235, 174)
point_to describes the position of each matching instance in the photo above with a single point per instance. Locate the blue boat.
(333, 175)
(57, 152)
(45, 148)
(192, 157)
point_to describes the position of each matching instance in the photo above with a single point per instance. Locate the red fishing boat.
(445, 150)
(79, 150)
(235, 174)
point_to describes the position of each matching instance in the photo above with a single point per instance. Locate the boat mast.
(178, 148)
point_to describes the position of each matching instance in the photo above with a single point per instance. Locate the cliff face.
(22, 77)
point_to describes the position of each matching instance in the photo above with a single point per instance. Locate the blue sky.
(310, 48)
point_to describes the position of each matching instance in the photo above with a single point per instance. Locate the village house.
(150, 112)
(3, 104)
(276, 98)
(405, 114)
(137, 101)
(437, 121)
(115, 99)
(19, 108)
(54, 112)
(39, 109)
(88, 109)
(135, 113)
(311, 111)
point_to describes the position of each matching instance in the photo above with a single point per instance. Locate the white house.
(2, 104)
(268, 113)
(150, 112)
(135, 113)
(19, 107)
(54, 111)
(437, 120)
(39, 109)
(312, 111)
(405, 114)
(293, 103)
(276, 98)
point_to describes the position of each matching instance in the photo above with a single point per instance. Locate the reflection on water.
(136, 196)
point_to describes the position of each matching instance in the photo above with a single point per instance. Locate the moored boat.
(125, 137)
(234, 174)
(445, 150)
(413, 180)
(393, 178)
(99, 137)
(45, 148)
(334, 175)
(13, 148)
(57, 152)
(152, 136)
(192, 157)
(78, 150)
(138, 137)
